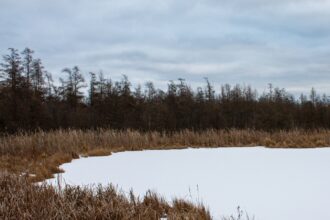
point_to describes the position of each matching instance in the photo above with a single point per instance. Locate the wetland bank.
(291, 169)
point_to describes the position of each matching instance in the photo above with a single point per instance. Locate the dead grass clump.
(188, 210)
(320, 143)
(98, 152)
(21, 199)
(268, 142)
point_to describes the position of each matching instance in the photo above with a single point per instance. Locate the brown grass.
(41, 153)
(21, 199)
(38, 156)
(97, 152)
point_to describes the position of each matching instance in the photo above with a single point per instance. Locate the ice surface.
(272, 184)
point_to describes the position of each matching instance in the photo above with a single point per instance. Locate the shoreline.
(41, 153)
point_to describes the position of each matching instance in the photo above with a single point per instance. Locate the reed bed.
(40, 153)
(21, 199)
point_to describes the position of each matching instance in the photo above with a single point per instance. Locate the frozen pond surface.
(271, 184)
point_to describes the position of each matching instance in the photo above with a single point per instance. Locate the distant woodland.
(30, 100)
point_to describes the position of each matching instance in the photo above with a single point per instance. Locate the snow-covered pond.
(272, 184)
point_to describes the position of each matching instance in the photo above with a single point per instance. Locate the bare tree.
(71, 87)
(27, 63)
(37, 75)
(12, 72)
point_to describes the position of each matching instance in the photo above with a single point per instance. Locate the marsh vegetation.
(22, 200)
(40, 153)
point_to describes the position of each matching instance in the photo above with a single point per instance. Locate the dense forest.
(30, 100)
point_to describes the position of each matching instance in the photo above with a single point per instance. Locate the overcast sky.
(252, 42)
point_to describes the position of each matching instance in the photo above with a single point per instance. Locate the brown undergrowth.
(20, 199)
(41, 153)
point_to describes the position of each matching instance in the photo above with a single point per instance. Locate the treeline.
(30, 100)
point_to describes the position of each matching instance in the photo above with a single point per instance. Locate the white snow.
(271, 184)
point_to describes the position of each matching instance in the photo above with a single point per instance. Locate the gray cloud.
(255, 42)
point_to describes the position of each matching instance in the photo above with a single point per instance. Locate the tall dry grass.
(21, 199)
(41, 152)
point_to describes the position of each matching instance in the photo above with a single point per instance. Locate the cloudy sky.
(252, 42)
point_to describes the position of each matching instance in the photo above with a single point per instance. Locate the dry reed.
(21, 199)
(41, 153)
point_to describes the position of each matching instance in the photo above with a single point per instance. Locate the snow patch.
(271, 184)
